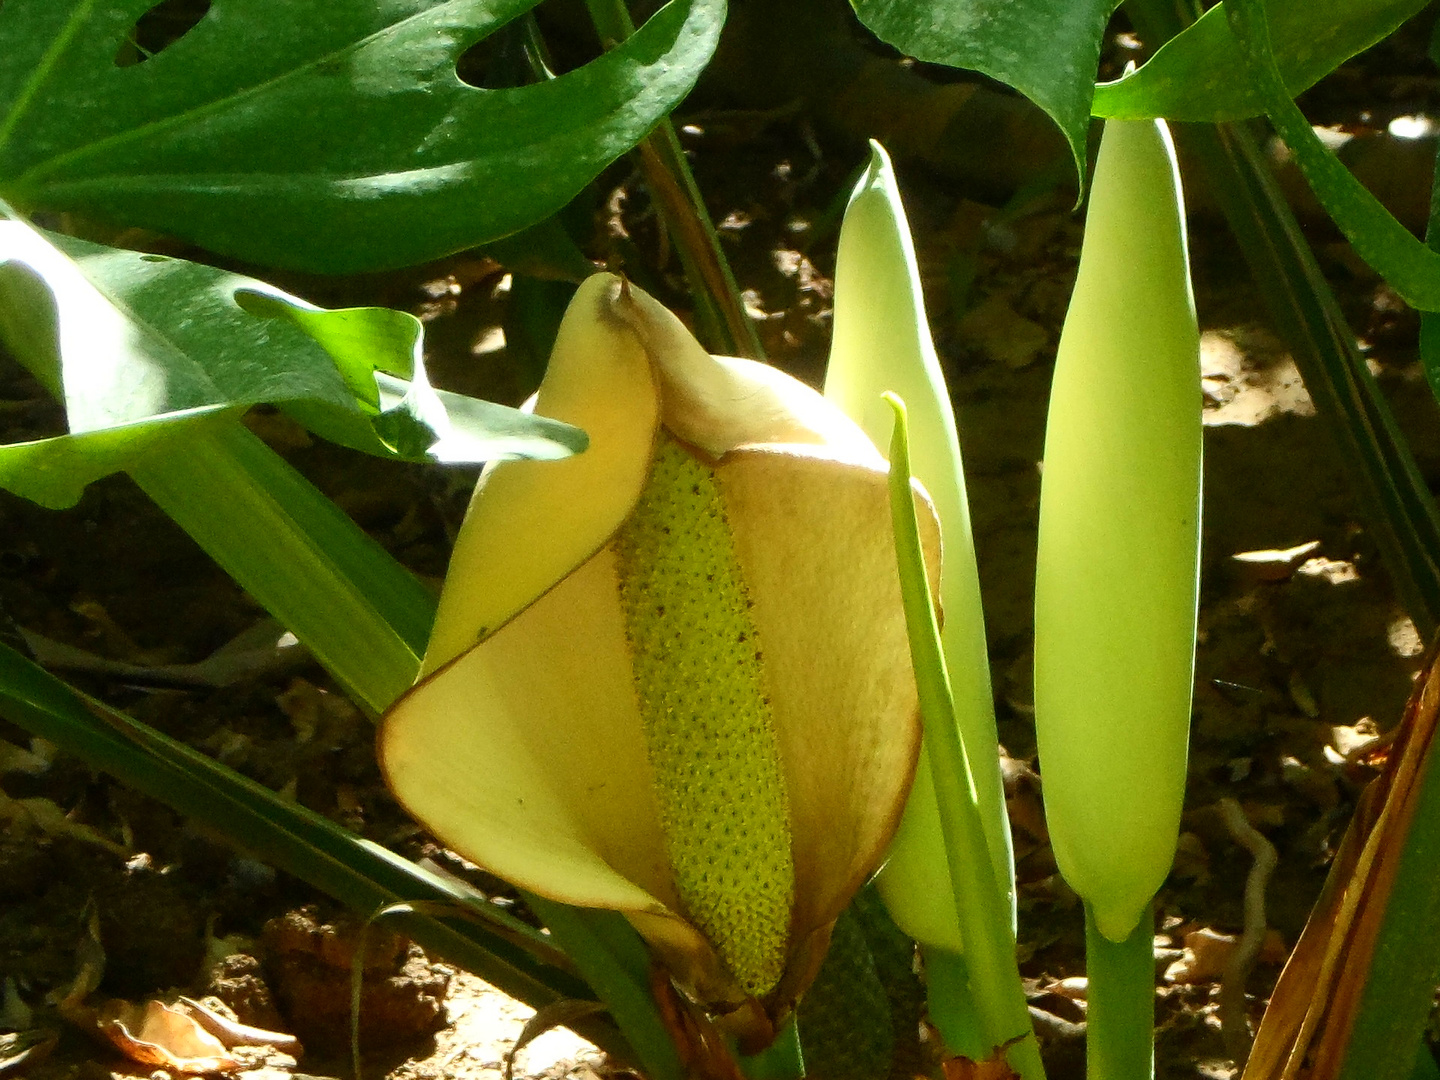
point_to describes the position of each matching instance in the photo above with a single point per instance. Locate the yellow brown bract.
(602, 723)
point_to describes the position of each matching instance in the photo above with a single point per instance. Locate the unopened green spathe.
(671, 677)
(882, 343)
(1117, 567)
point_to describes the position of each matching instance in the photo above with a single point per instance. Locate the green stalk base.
(781, 1060)
(952, 1003)
(1120, 1020)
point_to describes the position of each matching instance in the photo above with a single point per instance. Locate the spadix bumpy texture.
(670, 676)
(708, 722)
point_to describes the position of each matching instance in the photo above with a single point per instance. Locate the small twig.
(672, 187)
(1055, 1028)
(1234, 1021)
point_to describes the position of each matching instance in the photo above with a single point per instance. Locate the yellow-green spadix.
(1116, 575)
(670, 676)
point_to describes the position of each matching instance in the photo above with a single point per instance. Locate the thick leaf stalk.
(1120, 1011)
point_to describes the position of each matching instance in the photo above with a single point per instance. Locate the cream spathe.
(670, 676)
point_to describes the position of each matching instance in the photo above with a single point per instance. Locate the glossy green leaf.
(1412, 269)
(1195, 75)
(139, 347)
(332, 135)
(1046, 49)
(1430, 320)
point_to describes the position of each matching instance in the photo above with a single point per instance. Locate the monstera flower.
(670, 675)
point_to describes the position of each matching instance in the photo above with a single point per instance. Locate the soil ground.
(1304, 653)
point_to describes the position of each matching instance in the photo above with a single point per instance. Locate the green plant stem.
(614, 961)
(781, 1060)
(1396, 506)
(725, 328)
(337, 590)
(952, 1002)
(1120, 1008)
(983, 912)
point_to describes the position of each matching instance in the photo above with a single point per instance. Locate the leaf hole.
(159, 28)
(528, 49)
(148, 258)
(258, 304)
(497, 61)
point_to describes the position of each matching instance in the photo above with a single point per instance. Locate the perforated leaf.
(331, 135)
(1200, 74)
(1046, 49)
(137, 347)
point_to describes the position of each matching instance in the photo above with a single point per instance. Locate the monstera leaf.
(1200, 74)
(1046, 49)
(139, 347)
(329, 135)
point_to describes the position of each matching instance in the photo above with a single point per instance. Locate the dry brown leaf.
(1206, 953)
(89, 970)
(153, 1033)
(995, 1067)
(233, 1033)
(1311, 1011)
(19, 1048)
(992, 1068)
(1272, 564)
(46, 816)
(1003, 334)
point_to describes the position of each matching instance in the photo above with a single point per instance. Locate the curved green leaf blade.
(1193, 75)
(1412, 269)
(980, 906)
(355, 871)
(1430, 320)
(140, 347)
(330, 135)
(1046, 49)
